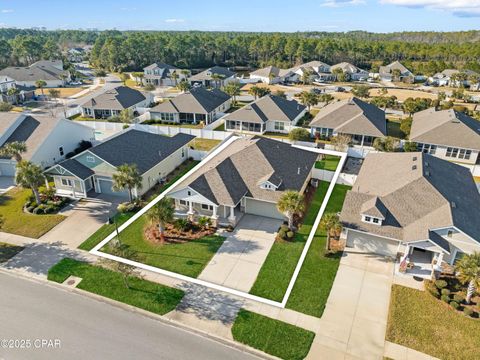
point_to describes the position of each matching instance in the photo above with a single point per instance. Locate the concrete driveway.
(84, 218)
(355, 319)
(238, 261)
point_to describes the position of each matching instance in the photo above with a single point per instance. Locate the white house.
(215, 76)
(161, 74)
(353, 72)
(50, 71)
(387, 73)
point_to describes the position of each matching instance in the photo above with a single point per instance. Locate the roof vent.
(159, 153)
(427, 173)
(453, 204)
(414, 158)
(298, 171)
(414, 167)
(426, 163)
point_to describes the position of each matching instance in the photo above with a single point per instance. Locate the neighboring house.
(387, 73)
(413, 204)
(269, 113)
(205, 77)
(272, 75)
(48, 139)
(155, 156)
(319, 71)
(362, 121)
(20, 95)
(248, 177)
(50, 71)
(198, 104)
(76, 54)
(447, 134)
(444, 78)
(160, 74)
(111, 102)
(354, 73)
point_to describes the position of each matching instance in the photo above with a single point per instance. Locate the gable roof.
(7, 119)
(230, 175)
(266, 71)
(139, 147)
(420, 192)
(396, 65)
(160, 65)
(119, 98)
(41, 70)
(75, 168)
(446, 127)
(205, 75)
(268, 107)
(347, 67)
(197, 100)
(352, 116)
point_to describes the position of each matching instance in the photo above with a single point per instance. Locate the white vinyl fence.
(326, 175)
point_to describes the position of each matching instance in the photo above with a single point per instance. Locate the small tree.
(410, 146)
(341, 142)
(217, 79)
(280, 93)
(54, 94)
(291, 203)
(299, 134)
(183, 86)
(308, 99)
(306, 77)
(138, 76)
(123, 251)
(124, 77)
(468, 271)
(233, 89)
(29, 175)
(5, 107)
(326, 98)
(127, 177)
(330, 223)
(386, 144)
(362, 91)
(396, 74)
(162, 213)
(40, 84)
(174, 76)
(406, 125)
(14, 150)
(126, 116)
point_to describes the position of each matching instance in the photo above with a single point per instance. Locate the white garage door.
(371, 244)
(7, 168)
(262, 208)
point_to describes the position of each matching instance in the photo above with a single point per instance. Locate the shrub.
(182, 224)
(129, 207)
(440, 284)
(299, 134)
(445, 298)
(149, 87)
(30, 208)
(468, 311)
(290, 235)
(454, 305)
(445, 292)
(431, 288)
(4, 106)
(204, 221)
(459, 298)
(281, 234)
(38, 210)
(284, 228)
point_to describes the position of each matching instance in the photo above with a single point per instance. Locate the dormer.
(271, 182)
(374, 211)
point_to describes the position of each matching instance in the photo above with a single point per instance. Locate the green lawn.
(20, 223)
(393, 129)
(7, 251)
(205, 144)
(424, 323)
(272, 336)
(220, 127)
(143, 294)
(329, 162)
(311, 290)
(188, 258)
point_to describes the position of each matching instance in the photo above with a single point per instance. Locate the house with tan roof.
(269, 113)
(389, 72)
(50, 71)
(215, 76)
(247, 177)
(362, 121)
(48, 139)
(447, 134)
(272, 75)
(353, 72)
(318, 71)
(414, 207)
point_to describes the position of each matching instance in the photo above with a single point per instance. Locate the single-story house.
(269, 113)
(319, 71)
(248, 177)
(90, 172)
(362, 121)
(112, 101)
(444, 78)
(48, 139)
(272, 75)
(447, 134)
(196, 105)
(387, 72)
(415, 207)
(50, 71)
(21, 94)
(354, 73)
(161, 74)
(205, 77)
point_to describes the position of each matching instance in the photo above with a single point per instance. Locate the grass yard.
(403, 94)
(272, 336)
(7, 251)
(65, 92)
(277, 270)
(143, 294)
(329, 162)
(20, 223)
(205, 144)
(424, 323)
(393, 129)
(220, 127)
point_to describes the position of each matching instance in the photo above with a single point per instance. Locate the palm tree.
(161, 213)
(291, 203)
(13, 92)
(217, 78)
(308, 99)
(30, 176)
(306, 77)
(14, 150)
(468, 271)
(174, 76)
(127, 177)
(40, 84)
(330, 223)
(233, 89)
(183, 86)
(185, 73)
(254, 91)
(396, 74)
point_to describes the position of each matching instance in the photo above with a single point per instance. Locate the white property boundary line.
(96, 249)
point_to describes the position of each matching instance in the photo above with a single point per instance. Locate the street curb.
(153, 316)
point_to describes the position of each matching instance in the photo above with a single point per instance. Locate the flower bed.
(180, 231)
(49, 203)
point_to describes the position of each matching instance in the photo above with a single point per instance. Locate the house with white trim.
(353, 72)
(50, 71)
(387, 72)
(205, 78)
(161, 74)
(273, 75)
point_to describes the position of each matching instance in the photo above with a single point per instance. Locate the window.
(279, 125)
(60, 150)
(427, 148)
(375, 220)
(464, 154)
(372, 220)
(167, 117)
(368, 218)
(90, 159)
(458, 256)
(66, 182)
(207, 207)
(183, 202)
(452, 152)
(189, 193)
(183, 152)
(450, 233)
(458, 153)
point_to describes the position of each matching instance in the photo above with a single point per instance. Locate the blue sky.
(244, 15)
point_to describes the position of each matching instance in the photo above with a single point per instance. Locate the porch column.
(438, 265)
(215, 216)
(47, 185)
(363, 138)
(190, 212)
(194, 118)
(231, 218)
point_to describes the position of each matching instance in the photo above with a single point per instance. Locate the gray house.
(362, 121)
(447, 134)
(205, 77)
(90, 172)
(248, 177)
(387, 72)
(416, 205)
(50, 71)
(161, 74)
(198, 104)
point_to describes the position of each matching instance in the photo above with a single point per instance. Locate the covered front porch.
(220, 215)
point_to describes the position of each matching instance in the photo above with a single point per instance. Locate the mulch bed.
(176, 236)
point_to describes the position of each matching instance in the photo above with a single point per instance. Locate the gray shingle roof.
(266, 108)
(119, 98)
(160, 65)
(352, 116)
(446, 127)
(204, 75)
(41, 70)
(238, 169)
(266, 71)
(347, 67)
(197, 100)
(77, 169)
(420, 193)
(141, 148)
(396, 65)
